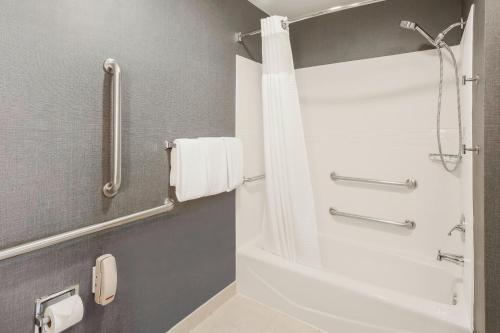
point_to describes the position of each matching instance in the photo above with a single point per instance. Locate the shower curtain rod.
(241, 35)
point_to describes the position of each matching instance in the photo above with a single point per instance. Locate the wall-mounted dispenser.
(104, 279)
(57, 312)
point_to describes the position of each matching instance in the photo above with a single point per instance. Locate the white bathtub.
(360, 290)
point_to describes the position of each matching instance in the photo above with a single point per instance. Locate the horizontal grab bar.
(92, 229)
(253, 179)
(406, 224)
(447, 157)
(410, 183)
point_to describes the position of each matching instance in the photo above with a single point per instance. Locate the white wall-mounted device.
(104, 279)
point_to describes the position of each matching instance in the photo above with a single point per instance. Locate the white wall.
(250, 197)
(372, 118)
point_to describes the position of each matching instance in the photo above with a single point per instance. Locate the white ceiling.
(296, 8)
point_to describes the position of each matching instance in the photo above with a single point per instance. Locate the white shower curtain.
(289, 226)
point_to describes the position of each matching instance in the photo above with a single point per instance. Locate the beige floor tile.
(242, 315)
(287, 324)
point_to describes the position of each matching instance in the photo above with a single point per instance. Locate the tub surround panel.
(360, 121)
(177, 60)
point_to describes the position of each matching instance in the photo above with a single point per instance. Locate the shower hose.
(439, 47)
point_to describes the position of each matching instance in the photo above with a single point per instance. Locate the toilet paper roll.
(64, 314)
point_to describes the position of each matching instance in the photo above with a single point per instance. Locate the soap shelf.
(41, 304)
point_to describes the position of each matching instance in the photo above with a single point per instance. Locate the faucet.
(460, 227)
(453, 258)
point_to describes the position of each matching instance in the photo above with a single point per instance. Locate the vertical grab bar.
(111, 188)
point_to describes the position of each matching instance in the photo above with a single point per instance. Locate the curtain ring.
(284, 24)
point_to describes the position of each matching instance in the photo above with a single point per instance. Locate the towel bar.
(171, 145)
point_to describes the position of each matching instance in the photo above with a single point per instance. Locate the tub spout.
(453, 258)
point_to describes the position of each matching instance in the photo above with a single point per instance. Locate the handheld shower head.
(409, 25)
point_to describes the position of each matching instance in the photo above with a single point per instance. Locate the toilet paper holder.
(42, 302)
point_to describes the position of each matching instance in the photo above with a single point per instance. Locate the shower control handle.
(475, 149)
(466, 79)
(459, 227)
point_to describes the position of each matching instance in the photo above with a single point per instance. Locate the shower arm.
(443, 34)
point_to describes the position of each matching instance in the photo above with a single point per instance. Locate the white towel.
(234, 155)
(189, 170)
(216, 164)
(198, 168)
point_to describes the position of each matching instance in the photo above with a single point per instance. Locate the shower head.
(409, 25)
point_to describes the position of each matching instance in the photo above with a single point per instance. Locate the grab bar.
(409, 183)
(253, 179)
(447, 157)
(112, 187)
(406, 224)
(92, 229)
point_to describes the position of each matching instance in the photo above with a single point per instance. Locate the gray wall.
(487, 165)
(492, 164)
(178, 62)
(371, 31)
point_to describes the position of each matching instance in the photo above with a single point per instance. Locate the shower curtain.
(289, 226)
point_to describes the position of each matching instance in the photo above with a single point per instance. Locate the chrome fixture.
(473, 149)
(448, 157)
(433, 41)
(91, 229)
(112, 187)
(253, 179)
(285, 24)
(415, 27)
(409, 183)
(466, 79)
(42, 302)
(459, 227)
(439, 44)
(453, 258)
(443, 33)
(406, 224)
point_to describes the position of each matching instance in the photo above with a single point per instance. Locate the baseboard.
(187, 324)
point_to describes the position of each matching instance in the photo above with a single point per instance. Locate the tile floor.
(243, 315)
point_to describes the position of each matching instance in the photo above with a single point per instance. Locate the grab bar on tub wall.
(410, 183)
(112, 187)
(406, 224)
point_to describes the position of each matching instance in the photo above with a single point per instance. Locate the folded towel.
(189, 169)
(234, 154)
(216, 164)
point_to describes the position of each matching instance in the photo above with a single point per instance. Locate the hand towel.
(189, 169)
(234, 155)
(216, 164)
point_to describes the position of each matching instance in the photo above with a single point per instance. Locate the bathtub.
(359, 290)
